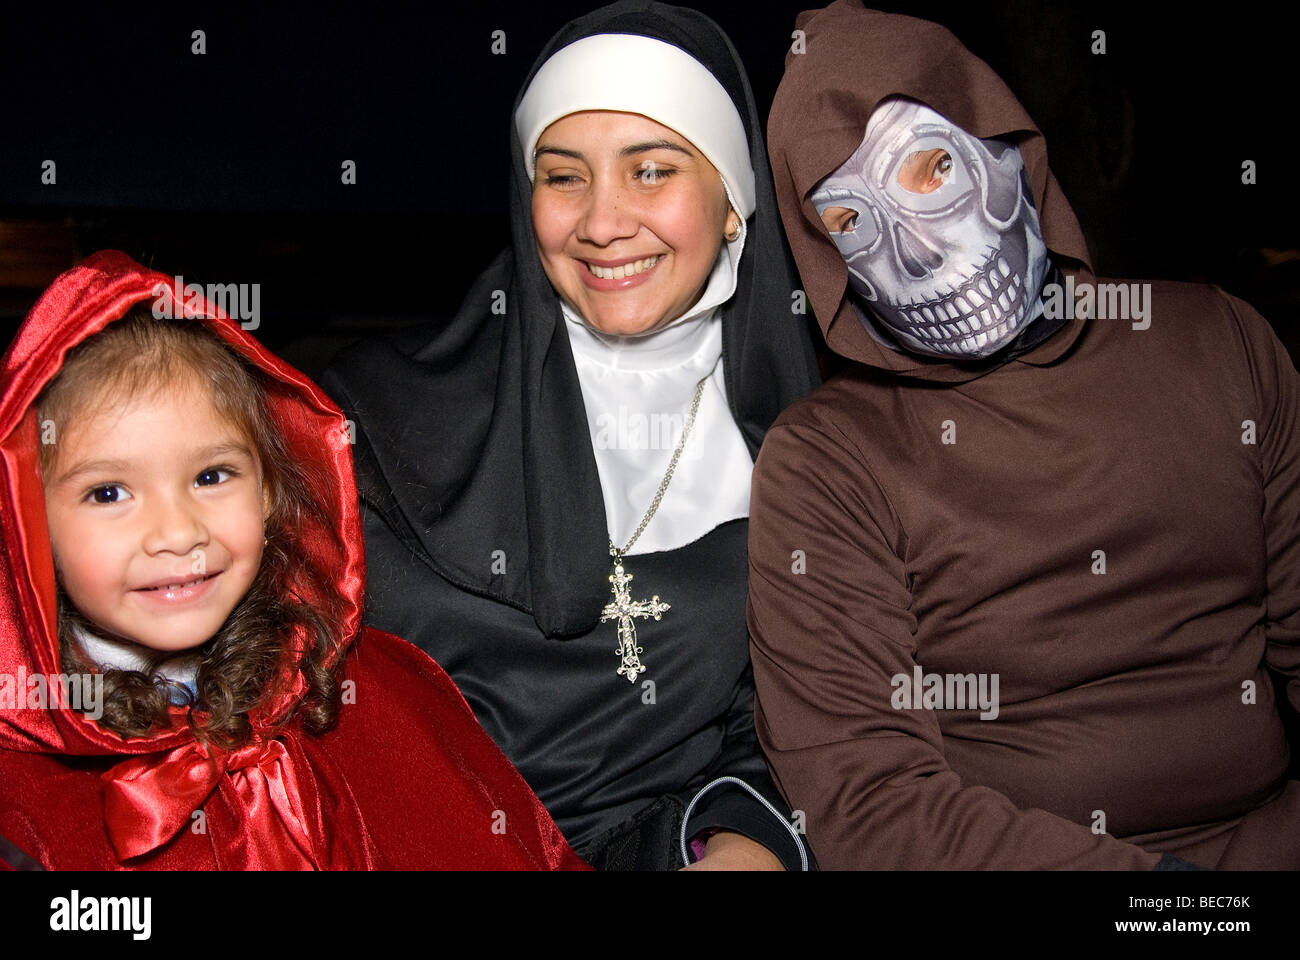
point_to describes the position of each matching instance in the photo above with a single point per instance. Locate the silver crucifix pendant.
(623, 608)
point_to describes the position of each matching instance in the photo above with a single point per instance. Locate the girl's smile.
(156, 511)
(169, 595)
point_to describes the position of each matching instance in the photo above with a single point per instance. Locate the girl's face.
(629, 216)
(156, 513)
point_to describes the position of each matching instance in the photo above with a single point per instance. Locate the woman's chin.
(630, 319)
(626, 328)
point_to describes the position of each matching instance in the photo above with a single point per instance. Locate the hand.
(735, 851)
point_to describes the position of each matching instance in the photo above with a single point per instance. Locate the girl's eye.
(562, 181)
(213, 476)
(108, 493)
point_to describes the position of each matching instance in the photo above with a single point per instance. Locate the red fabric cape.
(407, 778)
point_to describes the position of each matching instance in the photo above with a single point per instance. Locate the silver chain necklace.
(623, 608)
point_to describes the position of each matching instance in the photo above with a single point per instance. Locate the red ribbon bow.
(148, 800)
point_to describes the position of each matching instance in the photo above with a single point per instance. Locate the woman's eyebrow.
(558, 151)
(636, 148)
(632, 149)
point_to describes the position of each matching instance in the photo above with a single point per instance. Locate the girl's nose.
(174, 527)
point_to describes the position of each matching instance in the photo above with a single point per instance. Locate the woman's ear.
(732, 233)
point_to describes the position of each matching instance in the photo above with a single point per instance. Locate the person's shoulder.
(1188, 328)
(401, 669)
(837, 428)
(1198, 321)
(377, 351)
(840, 412)
(380, 371)
(353, 371)
(51, 811)
(846, 392)
(393, 689)
(1164, 306)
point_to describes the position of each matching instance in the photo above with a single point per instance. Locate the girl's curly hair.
(275, 635)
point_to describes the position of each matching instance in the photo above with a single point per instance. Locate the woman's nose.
(174, 527)
(609, 214)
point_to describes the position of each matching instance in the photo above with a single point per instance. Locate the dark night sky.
(226, 166)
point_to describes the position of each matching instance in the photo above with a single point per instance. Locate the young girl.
(184, 681)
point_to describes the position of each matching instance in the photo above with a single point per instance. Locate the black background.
(225, 167)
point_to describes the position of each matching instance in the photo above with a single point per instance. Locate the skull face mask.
(939, 234)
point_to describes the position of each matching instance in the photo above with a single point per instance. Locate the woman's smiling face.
(630, 217)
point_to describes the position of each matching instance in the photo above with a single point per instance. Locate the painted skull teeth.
(989, 305)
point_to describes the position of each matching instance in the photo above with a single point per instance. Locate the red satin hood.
(854, 58)
(78, 304)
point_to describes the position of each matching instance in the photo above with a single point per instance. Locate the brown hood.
(853, 59)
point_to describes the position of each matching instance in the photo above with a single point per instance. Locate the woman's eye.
(108, 493)
(942, 167)
(563, 181)
(213, 476)
(652, 173)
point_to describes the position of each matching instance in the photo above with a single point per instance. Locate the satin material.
(407, 778)
(638, 392)
(147, 802)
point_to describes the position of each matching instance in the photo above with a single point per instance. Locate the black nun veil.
(482, 460)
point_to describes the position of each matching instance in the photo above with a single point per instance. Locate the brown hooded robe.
(1108, 525)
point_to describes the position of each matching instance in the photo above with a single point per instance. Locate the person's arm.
(830, 626)
(1277, 389)
(741, 817)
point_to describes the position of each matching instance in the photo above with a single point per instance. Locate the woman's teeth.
(625, 270)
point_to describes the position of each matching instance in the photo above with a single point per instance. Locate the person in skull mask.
(941, 242)
(1046, 565)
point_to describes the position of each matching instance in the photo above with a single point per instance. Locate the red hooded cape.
(407, 779)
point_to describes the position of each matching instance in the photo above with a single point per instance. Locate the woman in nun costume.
(556, 482)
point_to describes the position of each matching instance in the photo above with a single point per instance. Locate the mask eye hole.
(840, 219)
(849, 220)
(849, 217)
(925, 171)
